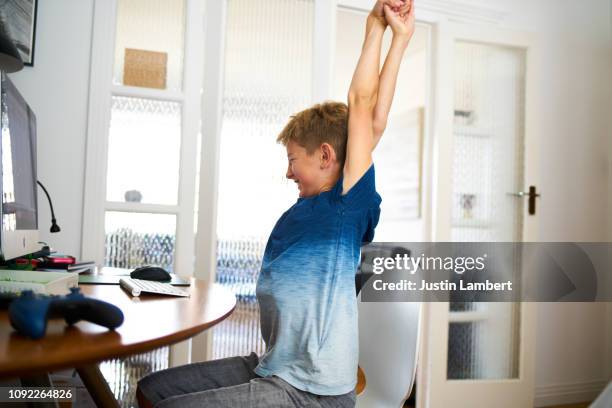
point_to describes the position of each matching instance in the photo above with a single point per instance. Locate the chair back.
(388, 349)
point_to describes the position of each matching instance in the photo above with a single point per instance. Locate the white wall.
(575, 145)
(609, 52)
(609, 184)
(56, 88)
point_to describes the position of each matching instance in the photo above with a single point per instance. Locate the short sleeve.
(363, 194)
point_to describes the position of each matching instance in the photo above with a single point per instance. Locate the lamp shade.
(10, 61)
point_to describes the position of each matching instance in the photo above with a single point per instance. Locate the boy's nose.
(289, 173)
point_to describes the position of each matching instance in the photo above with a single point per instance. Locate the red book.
(58, 261)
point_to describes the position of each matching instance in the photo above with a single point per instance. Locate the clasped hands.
(398, 14)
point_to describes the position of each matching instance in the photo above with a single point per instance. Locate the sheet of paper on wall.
(144, 68)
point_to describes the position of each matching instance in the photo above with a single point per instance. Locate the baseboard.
(568, 393)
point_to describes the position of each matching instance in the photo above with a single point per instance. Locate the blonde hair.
(323, 123)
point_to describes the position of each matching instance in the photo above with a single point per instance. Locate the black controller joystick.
(29, 313)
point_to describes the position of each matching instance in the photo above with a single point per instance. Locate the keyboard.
(136, 286)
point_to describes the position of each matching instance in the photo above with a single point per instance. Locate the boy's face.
(304, 169)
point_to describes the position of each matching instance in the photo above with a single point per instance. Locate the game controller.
(29, 313)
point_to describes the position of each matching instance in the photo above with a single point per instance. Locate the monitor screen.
(19, 194)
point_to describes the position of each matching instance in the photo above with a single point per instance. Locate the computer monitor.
(19, 210)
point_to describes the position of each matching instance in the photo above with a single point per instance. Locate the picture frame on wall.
(19, 16)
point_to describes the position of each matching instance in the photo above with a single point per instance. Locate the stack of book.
(76, 267)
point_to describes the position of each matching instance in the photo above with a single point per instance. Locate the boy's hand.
(402, 22)
(378, 12)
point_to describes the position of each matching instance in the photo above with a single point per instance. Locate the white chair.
(388, 350)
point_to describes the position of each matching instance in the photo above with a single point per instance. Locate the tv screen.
(19, 194)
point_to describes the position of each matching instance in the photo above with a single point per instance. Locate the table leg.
(97, 386)
(41, 380)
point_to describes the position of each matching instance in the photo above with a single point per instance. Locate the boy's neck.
(330, 181)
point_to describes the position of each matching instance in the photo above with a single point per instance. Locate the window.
(264, 85)
(141, 172)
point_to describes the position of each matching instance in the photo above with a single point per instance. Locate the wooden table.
(151, 321)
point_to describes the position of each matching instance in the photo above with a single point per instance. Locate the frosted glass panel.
(143, 151)
(488, 143)
(238, 264)
(399, 155)
(461, 336)
(123, 374)
(488, 166)
(486, 348)
(268, 53)
(137, 239)
(264, 86)
(151, 26)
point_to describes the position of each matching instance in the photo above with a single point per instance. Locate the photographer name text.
(445, 285)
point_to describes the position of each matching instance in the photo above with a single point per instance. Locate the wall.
(609, 53)
(575, 146)
(610, 137)
(609, 184)
(56, 88)
(573, 340)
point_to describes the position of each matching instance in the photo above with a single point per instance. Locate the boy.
(306, 286)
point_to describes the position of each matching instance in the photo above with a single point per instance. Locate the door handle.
(532, 195)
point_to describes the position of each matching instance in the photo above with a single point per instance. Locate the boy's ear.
(328, 155)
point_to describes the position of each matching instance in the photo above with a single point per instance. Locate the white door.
(481, 354)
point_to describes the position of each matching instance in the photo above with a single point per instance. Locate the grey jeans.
(230, 382)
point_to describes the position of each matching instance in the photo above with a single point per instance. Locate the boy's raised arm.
(362, 100)
(403, 25)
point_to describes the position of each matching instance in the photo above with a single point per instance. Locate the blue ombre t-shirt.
(306, 288)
